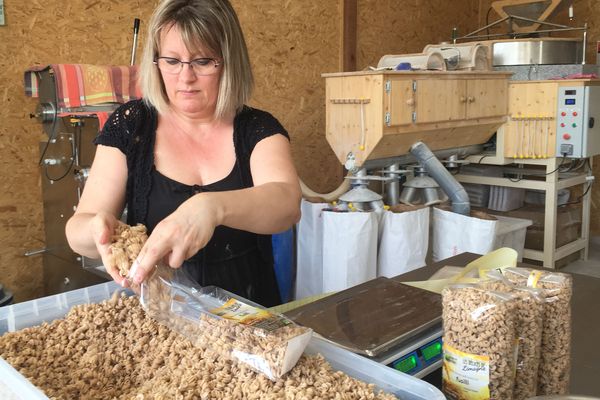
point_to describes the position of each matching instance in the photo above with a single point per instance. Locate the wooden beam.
(349, 25)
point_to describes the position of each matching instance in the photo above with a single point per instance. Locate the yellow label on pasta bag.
(465, 376)
(246, 314)
(534, 278)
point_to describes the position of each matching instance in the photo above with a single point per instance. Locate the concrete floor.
(591, 266)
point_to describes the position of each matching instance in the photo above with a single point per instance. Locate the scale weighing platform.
(382, 319)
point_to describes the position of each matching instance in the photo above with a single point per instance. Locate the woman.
(210, 177)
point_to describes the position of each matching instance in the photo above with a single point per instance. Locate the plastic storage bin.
(14, 386)
(510, 232)
(47, 309)
(454, 233)
(479, 194)
(538, 197)
(506, 198)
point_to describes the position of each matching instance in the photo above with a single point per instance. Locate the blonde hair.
(212, 25)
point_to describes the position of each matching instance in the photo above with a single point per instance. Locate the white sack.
(455, 233)
(349, 249)
(309, 268)
(403, 242)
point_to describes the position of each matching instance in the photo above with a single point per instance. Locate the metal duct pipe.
(393, 187)
(457, 194)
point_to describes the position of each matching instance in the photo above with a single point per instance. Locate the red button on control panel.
(566, 136)
(574, 113)
(562, 124)
(564, 114)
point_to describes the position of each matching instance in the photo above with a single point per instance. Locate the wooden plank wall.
(291, 43)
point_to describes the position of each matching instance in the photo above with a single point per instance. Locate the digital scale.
(382, 319)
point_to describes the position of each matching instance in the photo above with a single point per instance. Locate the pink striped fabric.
(79, 85)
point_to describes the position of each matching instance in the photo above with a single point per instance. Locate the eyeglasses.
(200, 66)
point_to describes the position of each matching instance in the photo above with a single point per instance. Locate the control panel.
(578, 134)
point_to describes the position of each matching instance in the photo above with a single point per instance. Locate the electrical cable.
(559, 165)
(580, 164)
(74, 143)
(50, 139)
(515, 179)
(63, 175)
(546, 174)
(580, 198)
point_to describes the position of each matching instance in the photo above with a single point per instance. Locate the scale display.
(420, 358)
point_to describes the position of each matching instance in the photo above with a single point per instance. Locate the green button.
(574, 125)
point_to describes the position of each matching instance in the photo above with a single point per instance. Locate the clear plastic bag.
(222, 322)
(555, 363)
(528, 325)
(479, 343)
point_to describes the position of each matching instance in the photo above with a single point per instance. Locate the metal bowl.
(537, 51)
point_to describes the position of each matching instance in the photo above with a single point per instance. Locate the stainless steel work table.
(585, 304)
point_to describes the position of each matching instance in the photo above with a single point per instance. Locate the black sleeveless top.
(235, 260)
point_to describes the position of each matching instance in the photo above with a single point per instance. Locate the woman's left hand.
(178, 237)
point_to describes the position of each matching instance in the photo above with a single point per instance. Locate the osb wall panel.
(44, 32)
(392, 27)
(291, 43)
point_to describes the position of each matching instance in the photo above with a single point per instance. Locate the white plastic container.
(479, 194)
(14, 386)
(454, 233)
(510, 232)
(538, 197)
(506, 198)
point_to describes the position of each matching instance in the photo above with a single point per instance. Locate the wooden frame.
(499, 6)
(348, 28)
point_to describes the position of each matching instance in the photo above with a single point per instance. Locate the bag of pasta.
(528, 327)
(222, 322)
(210, 317)
(479, 343)
(556, 289)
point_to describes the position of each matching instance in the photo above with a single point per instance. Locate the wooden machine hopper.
(375, 115)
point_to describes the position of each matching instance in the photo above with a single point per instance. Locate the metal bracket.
(350, 163)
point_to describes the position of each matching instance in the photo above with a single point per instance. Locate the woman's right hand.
(103, 226)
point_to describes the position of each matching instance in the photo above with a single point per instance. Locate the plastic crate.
(15, 386)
